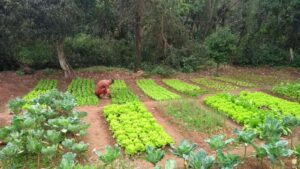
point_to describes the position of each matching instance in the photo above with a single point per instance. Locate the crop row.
(214, 84)
(252, 109)
(121, 94)
(235, 82)
(42, 87)
(189, 89)
(291, 90)
(134, 127)
(263, 100)
(83, 91)
(155, 91)
(223, 103)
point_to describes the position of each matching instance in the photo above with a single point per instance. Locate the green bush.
(36, 55)
(84, 50)
(221, 45)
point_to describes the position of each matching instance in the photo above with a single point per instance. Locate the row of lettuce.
(251, 109)
(133, 126)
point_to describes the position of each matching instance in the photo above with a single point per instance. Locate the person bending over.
(102, 88)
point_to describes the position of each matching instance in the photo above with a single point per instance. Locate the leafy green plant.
(111, 154)
(68, 161)
(83, 91)
(134, 127)
(42, 131)
(156, 92)
(227, 161)
(154, 155)
(200, 160)
(218, 142)
(184, 149)
(271, 130)
(277, 150)
(16, 105)
(189, 89)
(245, 137)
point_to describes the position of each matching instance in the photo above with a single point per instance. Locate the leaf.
(80, 147)
(111, 154)
(68, 161)
(245, 136)
(200, 160)
(184, 149)
(277, 150)
(228, 161)
(170, 164)
(154, 155)
(49, 151)
(53, 136)
(218, 142)
(68, 143)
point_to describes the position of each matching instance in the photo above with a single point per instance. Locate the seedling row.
(83, 91)
(154, 91)
(121, 94)
(235, 82)
(217, 85)
(188, 89)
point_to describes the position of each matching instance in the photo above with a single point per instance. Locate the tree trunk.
(138, 33)
(62, 59)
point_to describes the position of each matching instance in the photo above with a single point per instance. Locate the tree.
(220, 45)
(139, 12)
(53, 21)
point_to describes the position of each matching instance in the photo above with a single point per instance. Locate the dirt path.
(98, 134)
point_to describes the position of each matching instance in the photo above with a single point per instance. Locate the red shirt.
(101, 87)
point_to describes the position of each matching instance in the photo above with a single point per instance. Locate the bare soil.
(99, 135)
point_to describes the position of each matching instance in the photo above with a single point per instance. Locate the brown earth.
(99, 135)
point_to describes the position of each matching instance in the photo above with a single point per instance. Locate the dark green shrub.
(84, 50)
(36, 55)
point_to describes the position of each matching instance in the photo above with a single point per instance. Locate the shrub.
(220, 45)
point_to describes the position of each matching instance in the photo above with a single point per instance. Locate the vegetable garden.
(47, 130)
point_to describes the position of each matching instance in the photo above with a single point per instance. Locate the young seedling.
(297, 153)
(154, 155)
(111, 154)
(184, 149)
(246, 138)
(200, 160)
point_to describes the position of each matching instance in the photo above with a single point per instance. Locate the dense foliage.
(42, 87)
(134, 127)
(47, 129)
(120, 93)
(180, 33)
(155, 91)
(189, 89)
(83, 91)
(290, 90)
(213, 84)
